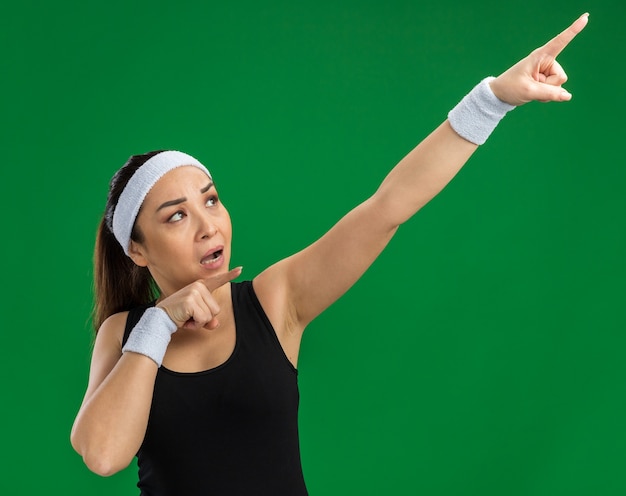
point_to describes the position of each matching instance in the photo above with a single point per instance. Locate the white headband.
(138, 187)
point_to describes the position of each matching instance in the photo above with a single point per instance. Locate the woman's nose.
(207, 228)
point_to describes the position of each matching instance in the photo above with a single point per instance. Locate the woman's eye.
(211, 201)
(176, 217)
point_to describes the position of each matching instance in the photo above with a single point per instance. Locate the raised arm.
(297, 289)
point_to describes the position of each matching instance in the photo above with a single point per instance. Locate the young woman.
(196, 375)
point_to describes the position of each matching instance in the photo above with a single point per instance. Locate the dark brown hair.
(119, 284)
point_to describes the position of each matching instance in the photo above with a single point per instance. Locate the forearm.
(423, 173)
(111, 423)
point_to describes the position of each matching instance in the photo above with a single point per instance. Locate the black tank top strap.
(254, 326)
(133, 317)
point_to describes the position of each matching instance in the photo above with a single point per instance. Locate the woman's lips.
(213, 258)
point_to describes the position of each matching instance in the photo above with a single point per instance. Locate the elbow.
(389, 212)
(98, 459)
(103, 465)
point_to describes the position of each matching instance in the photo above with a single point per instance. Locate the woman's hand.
(538, 76)
(194, 306)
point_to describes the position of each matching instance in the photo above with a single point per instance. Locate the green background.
(482, 354)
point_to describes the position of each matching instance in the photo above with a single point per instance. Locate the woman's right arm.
(111, 423)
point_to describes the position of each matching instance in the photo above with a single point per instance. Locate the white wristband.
(478, 113)
(151, 335)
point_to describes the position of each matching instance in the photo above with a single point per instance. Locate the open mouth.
(212, 258)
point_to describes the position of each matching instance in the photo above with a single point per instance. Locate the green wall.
(482, 354)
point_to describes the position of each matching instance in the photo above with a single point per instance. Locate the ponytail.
(119, 284)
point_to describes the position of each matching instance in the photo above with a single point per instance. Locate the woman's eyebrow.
(183, 199)
(172, 202)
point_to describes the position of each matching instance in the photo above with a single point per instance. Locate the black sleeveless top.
(231, 430)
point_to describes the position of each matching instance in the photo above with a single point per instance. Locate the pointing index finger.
(212, 283)
(559, 42)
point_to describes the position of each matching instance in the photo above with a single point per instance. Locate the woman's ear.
(136, 253)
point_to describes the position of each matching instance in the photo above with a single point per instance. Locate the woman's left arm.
(297, 289)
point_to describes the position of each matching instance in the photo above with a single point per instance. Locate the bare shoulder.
(111, 331)
(270, 287)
